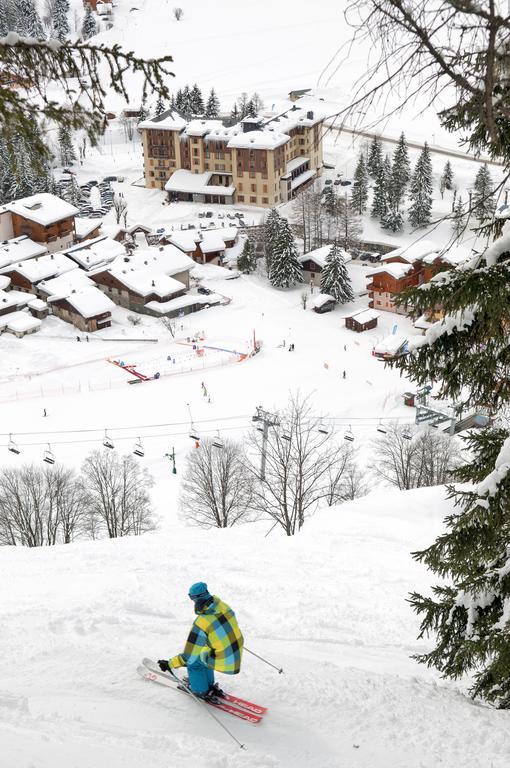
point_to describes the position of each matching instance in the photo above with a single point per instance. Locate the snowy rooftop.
(93, 253)
(182, 301)
(306, 176)
(294, 117)
(167, 121)
(195, 183)
(292, 165)
(13, 299)
(4, 282)
(61, 286)
(413, 252)
(88, 301)
(43, 208)
(364, 316)
(390, 344)
(201, 127)
(84, 227)
(455, 255)
(37, 304)
(147, 281)
(19, 322)
(395, 269)
(210, 240)
(19, 249)
(322, 299)
(43, 267)
(266, 139)
(166, 258)
(319, 255)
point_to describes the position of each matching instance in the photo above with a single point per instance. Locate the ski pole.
(209, 712)
(278, 669)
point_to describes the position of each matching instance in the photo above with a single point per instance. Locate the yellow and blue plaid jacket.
(215, 639)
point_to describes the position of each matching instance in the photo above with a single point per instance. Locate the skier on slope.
(215, 642)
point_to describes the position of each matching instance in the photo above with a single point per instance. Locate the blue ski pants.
(200, 676)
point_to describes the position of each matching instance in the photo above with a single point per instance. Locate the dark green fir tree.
(375, 157)
(247, 260)
(421, 190)
(212, 109)
(359, 195)
(335, 279)
(285, 270)
(483, 195)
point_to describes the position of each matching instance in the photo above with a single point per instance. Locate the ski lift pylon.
(138, 448)
(349, 434)
(48, 456)
(12, 447)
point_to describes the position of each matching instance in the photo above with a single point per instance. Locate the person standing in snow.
(215, 642)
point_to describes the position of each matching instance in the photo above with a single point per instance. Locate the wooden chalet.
(361, 321)
(44, 218)
(134, 288)
(87, 309)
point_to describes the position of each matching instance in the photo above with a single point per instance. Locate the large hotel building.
(259, 161)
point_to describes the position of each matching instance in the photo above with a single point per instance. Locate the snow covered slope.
(328, 605)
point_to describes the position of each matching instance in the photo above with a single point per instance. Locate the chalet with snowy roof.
(86, 229)
(389, 280)
(134, 288)
(87, 308)
(18, 249)
(323, 303)
(167, 259)
(362, 320)
(260, 161)
(312, 263)
(96, 253)
(44, 218)
(25, 275)
(69, 282)
(207, 246)
(12, 301)
(19, 324)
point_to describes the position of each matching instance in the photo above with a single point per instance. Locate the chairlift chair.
(349, 435)
(217, 441)
(138, 449)
(322, 428)
(407, 434)
(12, 447)
(48, 456)
(285, 436)
(107, 441)
(381, 428)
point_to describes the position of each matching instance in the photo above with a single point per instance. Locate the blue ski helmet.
(199, 593)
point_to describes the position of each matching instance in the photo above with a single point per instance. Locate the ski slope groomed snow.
(329, 606)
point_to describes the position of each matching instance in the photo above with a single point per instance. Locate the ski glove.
(163, 665)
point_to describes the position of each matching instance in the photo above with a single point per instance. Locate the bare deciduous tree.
(217, 489)
(301, 456)
(308, 216)
(344, 477)
(117, 494)
(119, 206)
(169, 324)
(178, 13)
(414, 460)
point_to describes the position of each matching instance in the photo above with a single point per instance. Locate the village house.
(95, 253)
(43, 217)
(134, 288)
(259, 161)
(86, 229)
(12, 301)
(19, 324)
(312, 263)
(323, 303)
(25, 275)
(205, 246)
(166, 259)
(362, 320)
(87, 308)
(18, 249)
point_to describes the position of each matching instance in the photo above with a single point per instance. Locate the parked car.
(337, 182)
(110, 178)
(209, 215)
(328, 181)
(120, 179)
(201, 214)
(345, 183)
(239, 215)
(202, 289)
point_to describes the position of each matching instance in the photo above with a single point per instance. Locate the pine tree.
(160, 107)
(271, 228)
(67, 153)
(285, 268)
(379, 199)
(359, 195)
(446, 181)
(375, 158)
(8, 17)
(247, 260)
(212, 109)
(234, 114)
(335, 279)
(349, 225)
(393, 220)
(178, 100)
(144, 112)
(89, 26)
(250, 109)
(196, 101)
(330, 200)
(421, 190)
(401, 173)
(28, 23)
(459, 217)
(483, 195)
(60, 21)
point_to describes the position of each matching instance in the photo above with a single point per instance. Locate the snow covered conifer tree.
(29, 23)
(359, 195)
(483, 195)
(160, 107)
(212, 109)
(459, 216)
(196, 101)
(186, 104)
(446, 181)
(67, 153)
(89, 26)
(178, 100)
(330, 200)
(335, 279)
(271, 228)
(234, 114)
(250, 109)
(285, 270)
(393, 220)
(379, 199)
(247, 260)
(375, 158)
(401, 173)
(421, 190)
(60, 21)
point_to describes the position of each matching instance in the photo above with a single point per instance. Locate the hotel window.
(220, 166)
(264, 188)
(240, 187)
(195, 151)
(253, 175)
(240, 198)
(253, 199)
(265, 201)
(253, 187)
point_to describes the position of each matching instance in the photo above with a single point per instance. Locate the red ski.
(154, 676)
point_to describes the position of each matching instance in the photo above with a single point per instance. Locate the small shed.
(38, 308)
(362, 321)
(323, 303)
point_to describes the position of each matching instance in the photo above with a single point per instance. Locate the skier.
(215, 642)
